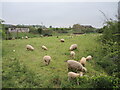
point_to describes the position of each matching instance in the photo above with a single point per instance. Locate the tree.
(1, 21)
(40, 30)
(77, 28)
(50, 26)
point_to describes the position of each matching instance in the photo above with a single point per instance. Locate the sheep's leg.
(68, 79)
(78, 82)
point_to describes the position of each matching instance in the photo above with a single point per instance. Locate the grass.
(54, 75)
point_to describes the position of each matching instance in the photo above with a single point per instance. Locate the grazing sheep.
(29, 47)
(73, 46)
(13, 50)
(44, 47)
(72, 75)
(72, 54)
(83, 61)
(13, 38)
(47, 59)
(62, 40)
(75, 66)
(22, 37)
(26, 37)
(88, 58)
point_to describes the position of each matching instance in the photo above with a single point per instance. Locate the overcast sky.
(58, 14)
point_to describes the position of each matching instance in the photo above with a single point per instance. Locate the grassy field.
(24, 68)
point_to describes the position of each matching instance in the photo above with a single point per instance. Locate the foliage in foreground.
(18, 76)
(111, 48)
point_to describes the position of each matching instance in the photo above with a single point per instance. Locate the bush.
(40, 30)
(105, 82)
(110, 48)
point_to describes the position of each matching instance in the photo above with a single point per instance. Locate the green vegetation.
(110, 48)
(38, 30)
(26, 68)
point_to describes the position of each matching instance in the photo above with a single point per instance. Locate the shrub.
(105, 82)
(110, 49)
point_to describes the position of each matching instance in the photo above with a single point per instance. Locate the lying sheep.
(72, 75)
(72, 54)
(62, 40)
(73, 46)
(75, 66)
(29, 47)
(26, 37)
(83, 61)
(44, 47)
(47, 59)
(88, 58)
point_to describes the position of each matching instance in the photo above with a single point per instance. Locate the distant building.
(18, 29)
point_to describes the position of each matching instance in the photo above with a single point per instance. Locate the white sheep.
(62, 40)
(13, 50)
(26, 37)
(44, 47)
(22, 37)
(73, 46)
(29, 47)
(13, 38)
(47, 59)
(83, 61)
(88, 58)
(75, 66)
(72, 75)
(72, 54)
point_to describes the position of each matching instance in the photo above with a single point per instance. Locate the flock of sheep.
(76, 68)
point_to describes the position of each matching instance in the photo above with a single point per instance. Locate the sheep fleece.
(72, 64)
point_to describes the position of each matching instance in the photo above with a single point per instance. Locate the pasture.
(24, 68)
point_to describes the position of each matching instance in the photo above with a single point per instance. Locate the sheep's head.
(89, 57)
(84, 69)
(81, 74)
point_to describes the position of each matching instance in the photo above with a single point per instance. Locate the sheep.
(44, 47)
(26, 37)
(83, 61)
(75, 66)
(29, 47)
(47, 59)
(72, 75)
(73, 46)
(22, 37)
(72, 54)
(13, 50)
(13, 38)
(62, 40)
(88, 58)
